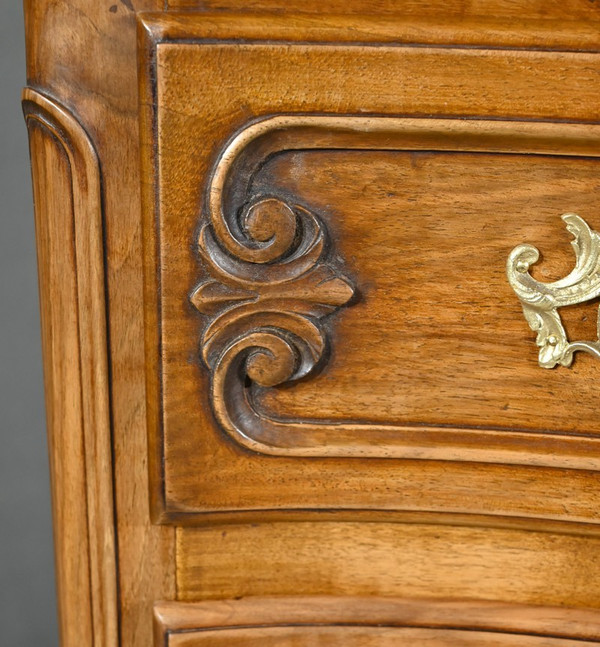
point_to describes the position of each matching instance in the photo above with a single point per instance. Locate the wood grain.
(435, 298)
(570, 35)
(243, 619)
(84, 54)
(521, 534)
(250, 292)
(67, 193)
(363, 637)
(388, 559)
(452, 328)
(480, 10)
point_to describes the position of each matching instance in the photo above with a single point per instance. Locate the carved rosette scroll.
(541, 301)
(272, 282)
(267, 304)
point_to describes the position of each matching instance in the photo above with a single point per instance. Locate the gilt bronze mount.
(541, 301)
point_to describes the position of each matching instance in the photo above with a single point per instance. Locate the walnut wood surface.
(84, 56)
(363, 637)
(417, 559)
(437, 28)
(111, 160)
(426, 276)
(427, 236)
(67, 185)
(538, 10)
(415, 231)
(343, 619)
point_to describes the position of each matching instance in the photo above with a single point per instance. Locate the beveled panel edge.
(274, 321)
(146, 47)
(551, 622)
(553, 524)
(95, 513)
(359, 29)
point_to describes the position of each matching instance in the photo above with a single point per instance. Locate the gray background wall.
(27, 598)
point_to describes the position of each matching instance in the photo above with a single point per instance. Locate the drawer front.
(370, 622)
(361, 637)
(330, 325)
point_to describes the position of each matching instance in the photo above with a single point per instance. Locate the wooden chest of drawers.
(285, 253)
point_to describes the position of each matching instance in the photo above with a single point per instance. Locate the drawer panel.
(424, 237)
(327, 305)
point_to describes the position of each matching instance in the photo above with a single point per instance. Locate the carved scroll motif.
(268, 311)
(541, 301)
(267, 304)
(273, 279)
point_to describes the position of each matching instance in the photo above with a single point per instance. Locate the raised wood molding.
(410, 26)
(69, 223)
(272, 284)
(521, 622)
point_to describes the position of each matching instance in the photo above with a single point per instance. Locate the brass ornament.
(540, 301)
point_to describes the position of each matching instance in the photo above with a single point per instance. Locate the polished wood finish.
(66, 188)
(364, 637)
(371, 621)
(282, 357)
(430, 289)
(545, 11)
(420, 560)
(393, 28)
(61, 38)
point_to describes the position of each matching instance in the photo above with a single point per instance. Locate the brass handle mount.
(540, 301)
